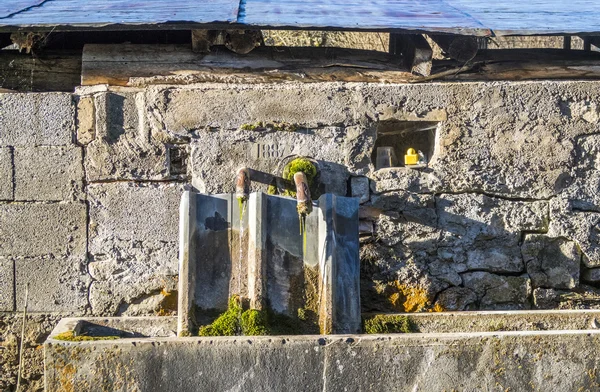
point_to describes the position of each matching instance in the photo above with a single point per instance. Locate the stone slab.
(7, 285)
(550, 360)
(60, 284)
(551, 262)
(123, 147)
(6, 173)
(36, 119)
(132, 242)
(48, 173)
(31, 229)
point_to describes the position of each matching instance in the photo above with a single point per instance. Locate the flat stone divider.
(561, 360)
(267, 261)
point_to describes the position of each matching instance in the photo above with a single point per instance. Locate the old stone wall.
(505, 216)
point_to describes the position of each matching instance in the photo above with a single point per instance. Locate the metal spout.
(302, 194)
(242, 184)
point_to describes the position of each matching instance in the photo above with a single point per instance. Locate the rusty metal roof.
(473, 17)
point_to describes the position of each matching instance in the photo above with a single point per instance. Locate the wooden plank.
(50, 72)
(459, 48)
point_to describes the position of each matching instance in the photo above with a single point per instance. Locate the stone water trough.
(305, 271)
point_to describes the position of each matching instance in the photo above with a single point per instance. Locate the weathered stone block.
(184, 110)
(48, 173)
(216, 157)
(6, 173)
(7, 285)
(456, 299)
(577, 225)
(57, 284)
(86, 120)
(132, 242)
(36, 119)
(123, 148)
(551, 262)
(497, 291)
(591, 275)
(360, 188)
(29, 230)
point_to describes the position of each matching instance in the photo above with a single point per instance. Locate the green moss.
(382, 323)
(255, 322)
(275, 126)
(69, 336)
(300, 165)
(227, 324)
(250, 322)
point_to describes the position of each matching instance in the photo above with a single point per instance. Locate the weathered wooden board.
(467, 17)
(140, 65)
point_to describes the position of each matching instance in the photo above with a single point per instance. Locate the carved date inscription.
(270, 150)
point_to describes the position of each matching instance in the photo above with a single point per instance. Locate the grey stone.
(360, 188)
(7, 285)
(183, 110)
(456, 299)
(591, 275)
(577, 225)
(124, 148)
(36, 119)
(60, 284)
(497, 291)
(132, 241)
(48, 173)
(551, 262)
(29, 230)
(6, 173)
(217, 155)
(428, 362)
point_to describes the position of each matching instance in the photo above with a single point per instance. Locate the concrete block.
(6, 173)
(7, 285)
(36, 119)
(48, 173)
(55, 284)
(29, 230)
(132, 241)
(123, 148)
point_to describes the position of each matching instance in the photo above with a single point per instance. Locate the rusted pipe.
(304, 206)
(242, 184)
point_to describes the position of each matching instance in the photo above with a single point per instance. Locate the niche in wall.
(402, 135)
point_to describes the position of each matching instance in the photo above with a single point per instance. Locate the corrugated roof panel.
(432, 15)
(103, 12)
(475, 17)
(506, 17)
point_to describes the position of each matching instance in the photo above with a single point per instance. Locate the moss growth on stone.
(255, 322)
(69, 336)
(382, 323)
(275, 126)
(300, 165)
(250, 322)
(227, 324)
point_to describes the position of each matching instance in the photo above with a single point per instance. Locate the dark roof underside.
(472, 17)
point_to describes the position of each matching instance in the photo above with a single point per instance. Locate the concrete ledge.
(534, 360)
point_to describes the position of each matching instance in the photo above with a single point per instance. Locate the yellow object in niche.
(411, 157)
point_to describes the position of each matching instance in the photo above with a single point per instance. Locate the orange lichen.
(409, 299)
